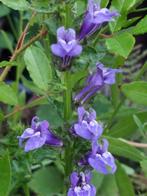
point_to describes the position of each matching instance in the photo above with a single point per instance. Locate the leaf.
(138, 122)
(123, 5)
(97, 179)
(4, 11)
(125, 125)
(7, 94)
(80, 7)
(16, 4)
(7, 41)
(7, 63)
(141, 27)
(76, 77)
(31, 86)
(104, 3)
(123, 182)
(120, 148)
(144, 166)
(45, 111)
(47, 181)
(38, 66)
(136, 92)
(121, 44)
(5, 174)
(106, 187)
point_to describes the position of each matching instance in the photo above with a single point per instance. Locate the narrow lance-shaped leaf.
(5, 174)
(124, 184)
(123, 149)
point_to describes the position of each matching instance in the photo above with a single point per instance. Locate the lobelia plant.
(87, 127)
(72, 70)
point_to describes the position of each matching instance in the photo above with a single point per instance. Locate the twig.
(19, 47)
(29, 105)
(18, 51)
(105, 36)
(135, 144)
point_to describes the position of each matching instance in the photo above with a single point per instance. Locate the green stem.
(67, 97)
(26, 190)
(68, 15)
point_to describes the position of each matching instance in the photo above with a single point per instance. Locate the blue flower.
(67, 46)
(95, 81)
(94, 18)
(87, 127)
(100, 159)
(38, 135)
(80, 185)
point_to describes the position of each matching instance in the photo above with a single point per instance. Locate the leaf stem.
(135, 144)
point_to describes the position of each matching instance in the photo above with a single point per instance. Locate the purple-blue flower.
(80, 185)
(101, 76)
(87, 127)
(100, 159)
(94, 18)
(67, 46)
(38, 135)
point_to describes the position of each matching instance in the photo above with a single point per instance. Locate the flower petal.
(81, 113)
(58, 50)
(74, 178)
(53, 140)
(34, 143)
(82, 130)
(61, 33)
(75, 51)
(70, 35)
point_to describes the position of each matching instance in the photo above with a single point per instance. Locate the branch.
(29, 105)
(18, 51)
(20, 47)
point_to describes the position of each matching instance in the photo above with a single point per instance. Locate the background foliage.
(31, 84)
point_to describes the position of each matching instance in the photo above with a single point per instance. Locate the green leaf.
(47, 181)
(4, 11)
(123, 5)
(5, 174)
(80, 7)
(121, 44)
(97, 179)
(123, 182)
(144, 166)
(136, 92)
(16, 4)
(104, 3)
(120, 148)
(76, 77)
(45, 111)
(7, 40)
(7, 94)
(108, 187)
(7, 63)
(38, 66)
(141, 27)
(126, 126)
(138, 122)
